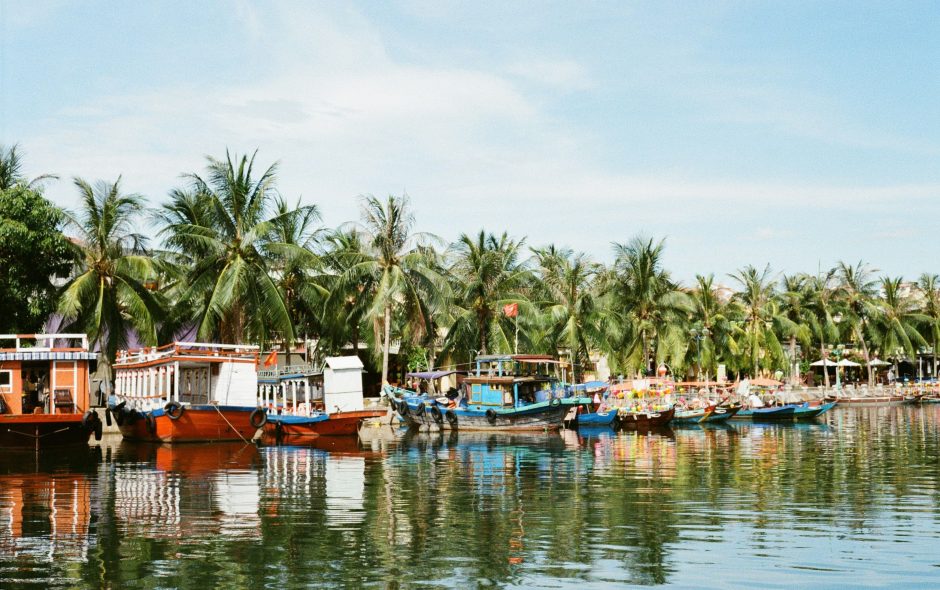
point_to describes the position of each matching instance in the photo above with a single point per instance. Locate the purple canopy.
(430, 374)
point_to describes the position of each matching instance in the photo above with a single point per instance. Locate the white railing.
(20, 341)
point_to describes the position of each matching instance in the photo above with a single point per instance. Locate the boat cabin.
(511, 381)
(45, 373)
(302, 390)
(190, 373)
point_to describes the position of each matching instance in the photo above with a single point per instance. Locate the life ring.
(174, 410)
(719, 411)
(555, 402)
(99, 430)
(258, 418)
(436, 414)
(403, 409)
(419, 410)
(491, 416)
(451, 418)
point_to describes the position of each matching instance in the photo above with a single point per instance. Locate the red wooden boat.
(878, 400)
(44, 399)
(646, 419)
(339, 424)
(188, 392)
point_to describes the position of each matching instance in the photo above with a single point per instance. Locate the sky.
(794, 134)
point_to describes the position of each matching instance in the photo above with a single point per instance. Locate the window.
(6, 381)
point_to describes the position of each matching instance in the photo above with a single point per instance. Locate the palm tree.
(397, 271)
(930, 289)
(11, 170)
(709, 325)
(796, 303)
(761, 318)
(857, 298)
(646, 299)
(570, 304)
(487, 274)
(230, 286)
(895, 328)
(824, 306)
(107, 298)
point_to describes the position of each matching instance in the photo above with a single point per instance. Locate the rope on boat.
(230, 424)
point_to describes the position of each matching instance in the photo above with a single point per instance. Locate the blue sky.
(790, 133)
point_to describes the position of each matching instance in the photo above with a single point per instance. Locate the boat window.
(6, 381)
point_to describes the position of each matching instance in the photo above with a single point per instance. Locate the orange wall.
(14, 400)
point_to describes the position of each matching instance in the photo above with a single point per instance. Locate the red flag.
(511, 310)
(271, 359)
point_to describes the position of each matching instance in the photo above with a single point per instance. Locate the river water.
(850, 501)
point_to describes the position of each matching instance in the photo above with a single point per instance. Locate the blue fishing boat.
(688, 417)
(722, 414)
(503, 393)
(772, 413)
(808, 411)
(606, 419)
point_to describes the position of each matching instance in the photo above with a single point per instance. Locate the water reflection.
(812, 504)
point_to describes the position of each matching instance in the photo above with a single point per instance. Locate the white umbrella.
(823, 363)
(848, 363)
(878, 363)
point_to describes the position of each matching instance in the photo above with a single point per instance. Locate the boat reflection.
(188, 490)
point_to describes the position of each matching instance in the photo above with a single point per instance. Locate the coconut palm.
(709, 326)
(235, 297)
(821, 291)
(396, 271)
(796, 303)
(895, 328)
(650, 305)
(762, 319)
(856, 292)
(929, 286)
(106, 298)
(570, 306)
(487, 274)
(11, 170)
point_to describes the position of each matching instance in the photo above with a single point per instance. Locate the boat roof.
(343, 362)
(45, 347)
(431, 374)
(519, 358)
(187, 351)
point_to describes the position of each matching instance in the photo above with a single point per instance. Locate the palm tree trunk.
(825, 364)
(388, 341)
(861, 338)
(794, 377)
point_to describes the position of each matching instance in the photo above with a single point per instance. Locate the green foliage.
(33, 251)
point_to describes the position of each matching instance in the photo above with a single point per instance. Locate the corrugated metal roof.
(344, 362)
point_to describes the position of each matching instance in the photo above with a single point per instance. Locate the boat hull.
(340, 424)
(545, 417)
(598, 419)
(691, 417)
(197, 424)
(767, 414)
(809, 411)
(721, 414)
(646, 420)
(38, 431)
(882, 400)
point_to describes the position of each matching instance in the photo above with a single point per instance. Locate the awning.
(430, 374)
(847, 363)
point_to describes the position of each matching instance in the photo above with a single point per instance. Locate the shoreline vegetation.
(233, 261)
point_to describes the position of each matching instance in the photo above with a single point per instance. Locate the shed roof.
(344, 362)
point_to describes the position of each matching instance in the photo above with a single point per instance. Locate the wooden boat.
(722, 414)
(320, 424)
(879, 400)
(606, 419)
(308, 415)
(503, 393)
(808, 411)
(44, 400)
(187, 392)
(697, 416)
(785, 412)
(646, 419)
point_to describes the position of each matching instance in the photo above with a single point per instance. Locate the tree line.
(233, 261)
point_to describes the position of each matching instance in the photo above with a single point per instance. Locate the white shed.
(342, 384)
